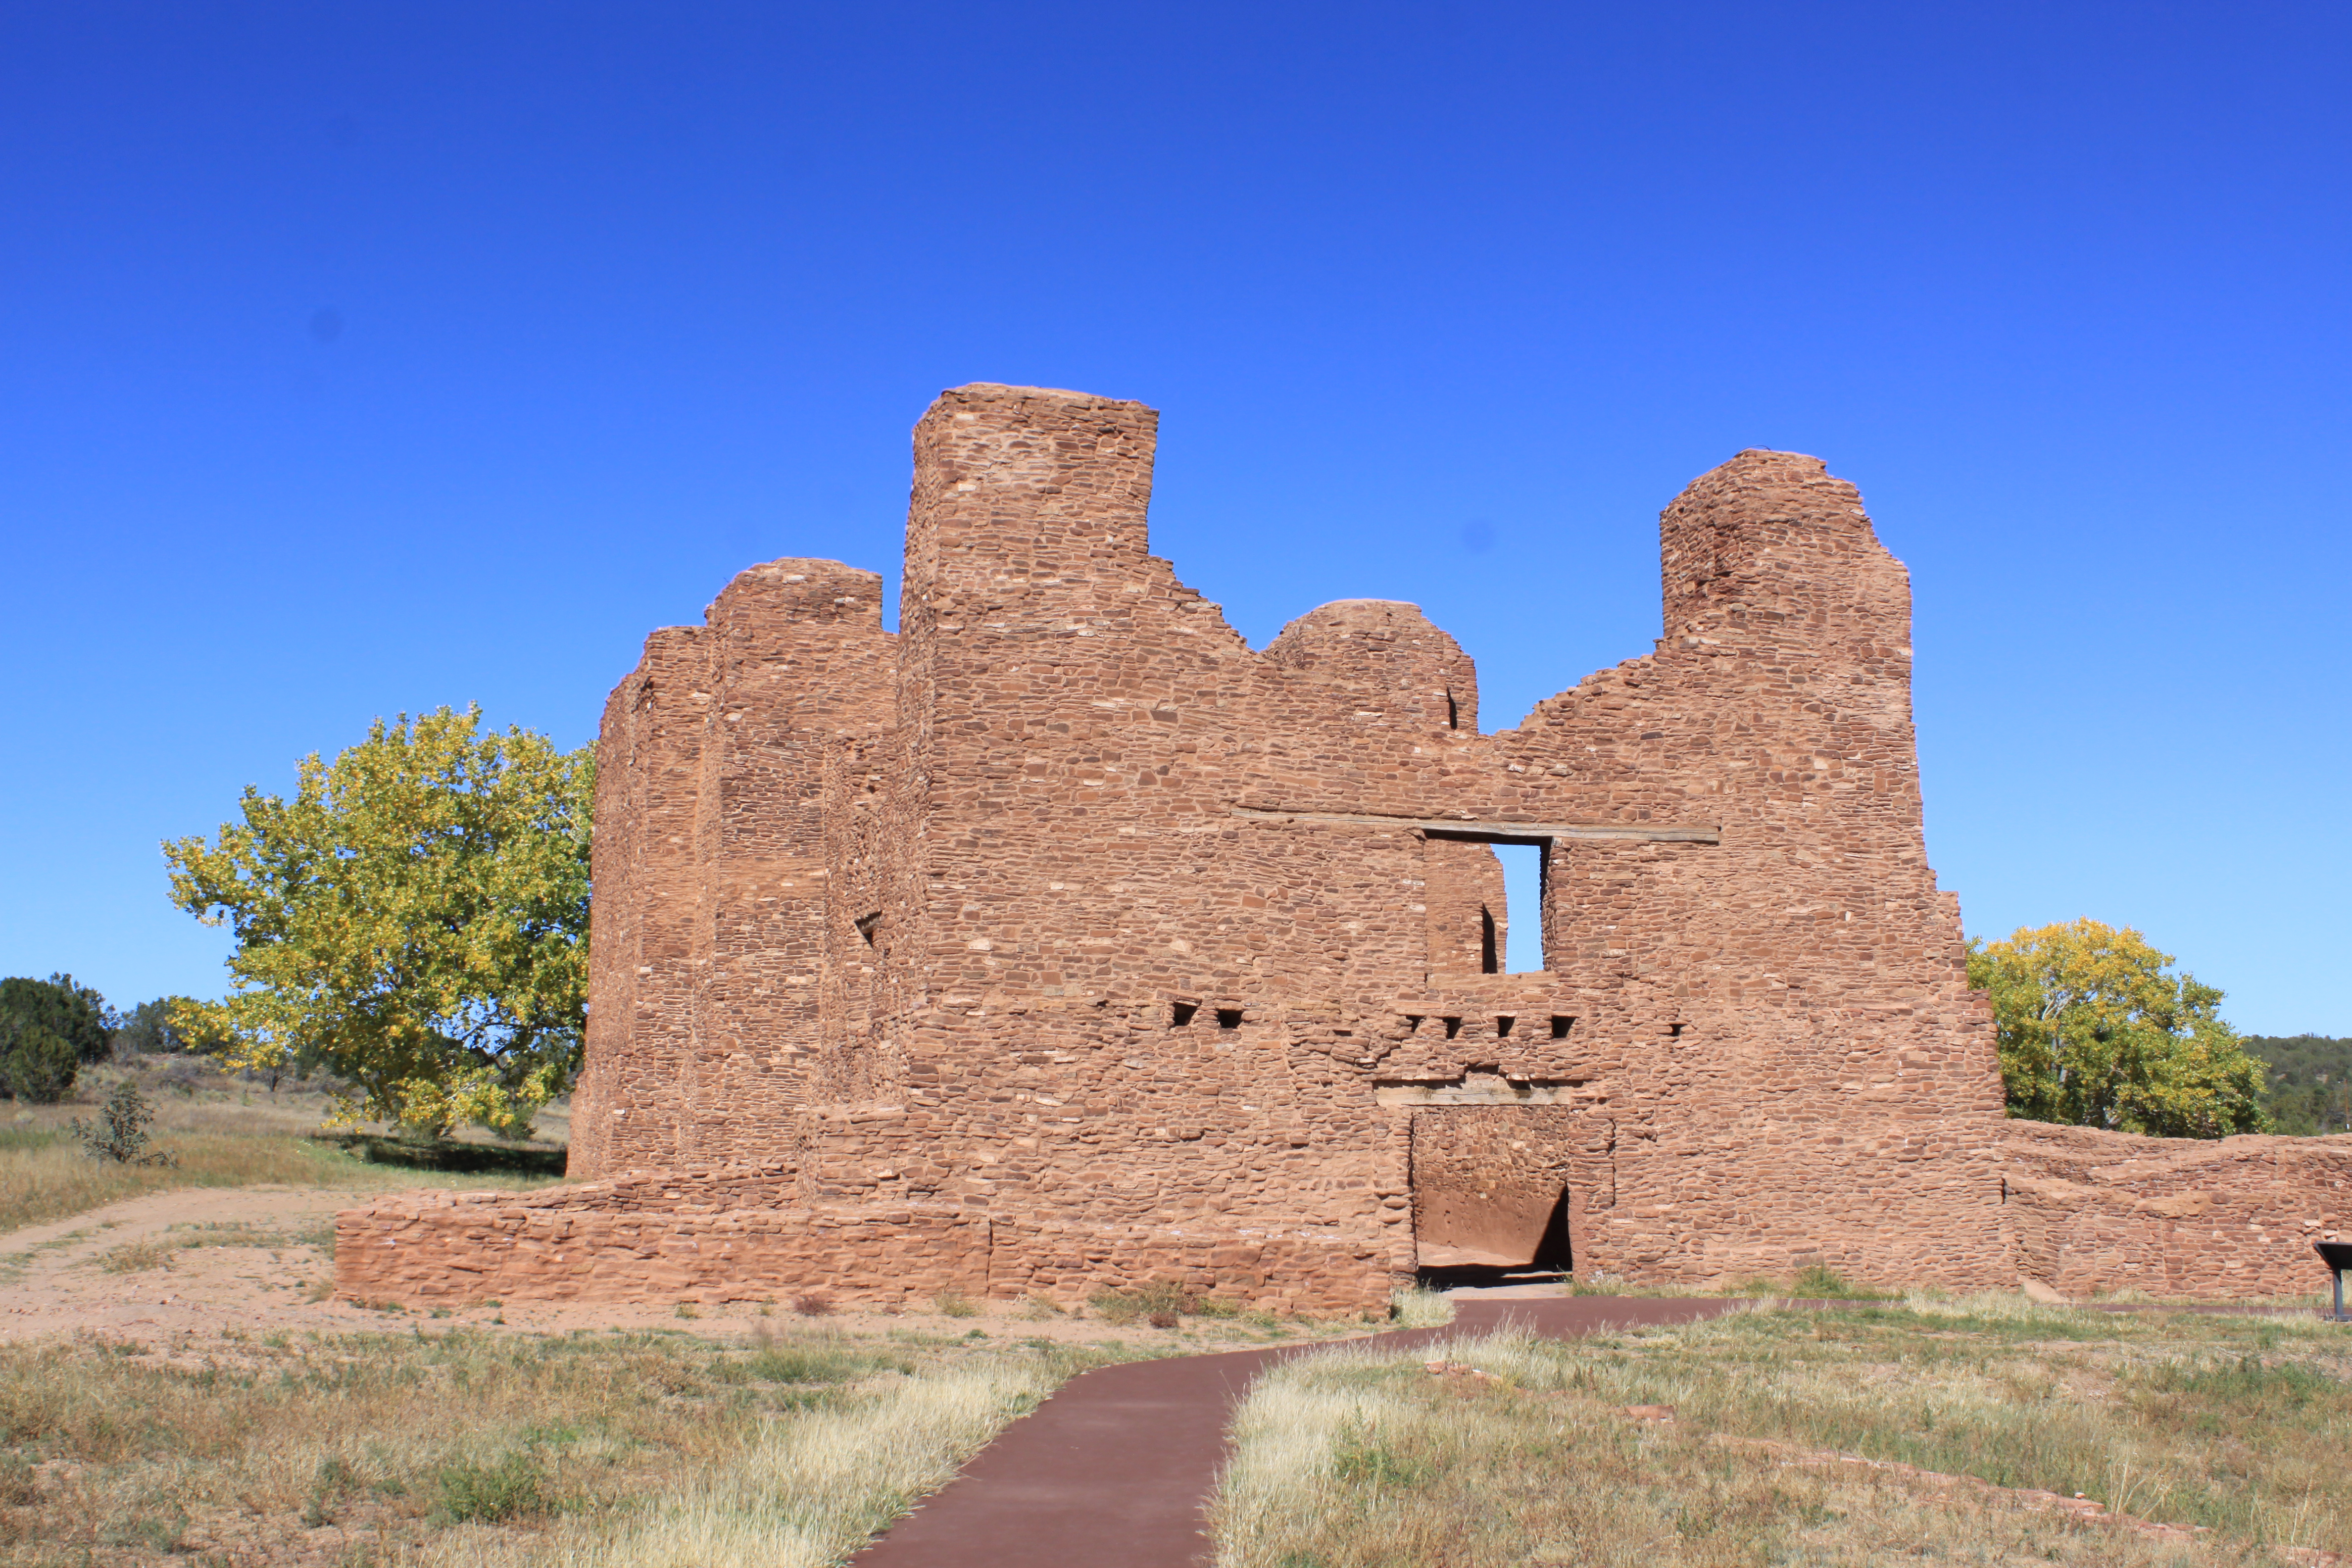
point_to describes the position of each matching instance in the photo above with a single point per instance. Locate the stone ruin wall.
(740, 1233)
(1063, 907)
(2090, 1211)
(710, 955)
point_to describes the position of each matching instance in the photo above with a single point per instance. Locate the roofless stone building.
(1061, 940)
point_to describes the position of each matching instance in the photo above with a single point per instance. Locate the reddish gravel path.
(1114, 1470)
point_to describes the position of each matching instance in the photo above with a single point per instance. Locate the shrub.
(1816, 1283)
(816, 1364)
(38, 1065)
(74, 1013)
(955, 1304)
(119, 1133)
(812, 1304)
(1161, 1299)
(512, 1486)
(20, 1486)
(136, 1257)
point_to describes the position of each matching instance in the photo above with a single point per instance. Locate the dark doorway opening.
(1554, 1262)
(1558, 1253)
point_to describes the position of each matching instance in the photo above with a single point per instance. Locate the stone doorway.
(1492, 1191)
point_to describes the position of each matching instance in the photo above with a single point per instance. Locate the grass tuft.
(137, 1256)
(819, 1364)
(1419, 1307)
(1160, 1303)
(20, 1486)
(511, 1485)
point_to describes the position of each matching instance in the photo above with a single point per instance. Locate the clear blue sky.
(365, 358)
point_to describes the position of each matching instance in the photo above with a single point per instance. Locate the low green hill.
(2310, 1081)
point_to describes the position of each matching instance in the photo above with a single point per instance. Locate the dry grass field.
(177, 1387)
(763, 1434)
(221, 1130)
(1919, 1431)
(476, 1447)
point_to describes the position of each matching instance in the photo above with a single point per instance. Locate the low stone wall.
(644, 1238)
(2091, 1212)
(2082, 1213)
(489, 1247)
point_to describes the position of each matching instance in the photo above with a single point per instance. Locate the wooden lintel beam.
(1494, 830)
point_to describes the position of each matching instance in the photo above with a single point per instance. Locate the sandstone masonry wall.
(604, 1244)
(2228, 1217)
(712, 865)
(1063, 910)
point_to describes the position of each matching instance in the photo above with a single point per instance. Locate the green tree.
(169, 1024)
(36, 1064)
(147, 1029)
(75, 1014)
(2096, 1030)
(414, 919)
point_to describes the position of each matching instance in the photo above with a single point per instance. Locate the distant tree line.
(2310, 1086)
(50, 1029)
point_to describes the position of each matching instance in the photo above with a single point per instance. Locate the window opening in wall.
(1452, 712)
(1674, 1031)
(865, 925)
(1453, 1027)
(1229, 1018)
(1503, 1026)
(1523, 873)
(1561, 1027)
(1180, 1014)
(1511, 940)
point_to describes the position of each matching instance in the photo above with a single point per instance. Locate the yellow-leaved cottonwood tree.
(415, 920)
(2096, 1031)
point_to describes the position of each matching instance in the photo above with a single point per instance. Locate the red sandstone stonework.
(1062, 941)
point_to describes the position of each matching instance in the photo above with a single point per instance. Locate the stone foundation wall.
(2082, 1213)
(2091, 1212)
(625, 1241)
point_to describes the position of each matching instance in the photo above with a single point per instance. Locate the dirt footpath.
(196, 1260)
(210, 1262)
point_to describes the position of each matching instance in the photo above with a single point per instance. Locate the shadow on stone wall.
(444, 1154)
